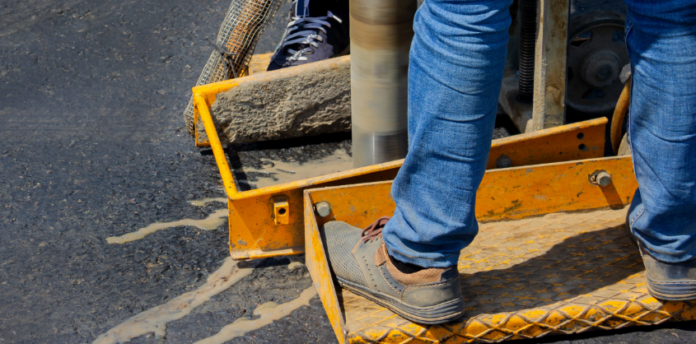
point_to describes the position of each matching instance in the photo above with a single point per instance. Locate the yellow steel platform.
(561, 273)
(558, 273)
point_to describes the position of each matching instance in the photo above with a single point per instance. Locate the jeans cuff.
(634, 213)
(665, 257)
(440, 262)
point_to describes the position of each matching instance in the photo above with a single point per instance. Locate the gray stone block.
(306, 100)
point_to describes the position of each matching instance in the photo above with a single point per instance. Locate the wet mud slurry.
(155, 320)
(263, 164)
(267, 313)
(213, 221)
(203, 202)
(280, 172)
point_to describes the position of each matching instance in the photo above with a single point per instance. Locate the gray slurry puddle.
(264, 164)
(280, 172)
(213, 221)
(155, 320)
(266, 313)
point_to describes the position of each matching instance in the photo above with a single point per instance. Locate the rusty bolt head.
(323, 209)
(600, 178)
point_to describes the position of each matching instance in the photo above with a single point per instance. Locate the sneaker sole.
(433, 315)
(672, 291)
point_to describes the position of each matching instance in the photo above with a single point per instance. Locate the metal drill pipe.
(380, 39)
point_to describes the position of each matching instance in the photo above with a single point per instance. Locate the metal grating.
(240, 31)
(557, 274)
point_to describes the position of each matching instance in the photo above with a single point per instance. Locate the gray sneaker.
(361, 263)
(666, 281)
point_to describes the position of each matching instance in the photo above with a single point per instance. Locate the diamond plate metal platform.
(562, 270)
(560, 273)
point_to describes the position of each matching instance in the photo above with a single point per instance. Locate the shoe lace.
(308, 34)
(374, 231)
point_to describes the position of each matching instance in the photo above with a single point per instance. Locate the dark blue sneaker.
(314, 33)
(666, 281)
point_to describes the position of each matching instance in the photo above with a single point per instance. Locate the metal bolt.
(323, 209)
(503, 161)
(601, 178)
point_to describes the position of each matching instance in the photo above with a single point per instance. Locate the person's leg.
(661, 40)
(455, 72)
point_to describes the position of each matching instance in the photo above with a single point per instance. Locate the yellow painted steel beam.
(581, 249)
(582, 140)
(218, 152)
(504, 194)
(254, 231)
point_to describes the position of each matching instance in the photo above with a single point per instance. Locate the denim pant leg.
(455, 72)
(661, 40)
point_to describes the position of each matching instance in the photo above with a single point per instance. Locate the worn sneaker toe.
(361, 263)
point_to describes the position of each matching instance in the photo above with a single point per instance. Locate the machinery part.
(503, 161)
(281, 209)
(521, 274)
(528, 27)
(617, 120)
(550, 60)
(240, 31)
(253, 232)
(380, 39)
(600, 178)
(624, 147)
(597, 62)
(323, 209)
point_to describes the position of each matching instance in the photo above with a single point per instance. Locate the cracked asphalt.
(92, 145)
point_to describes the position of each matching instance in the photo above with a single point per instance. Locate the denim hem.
(666, 257)
(443, 262)
(636, 211)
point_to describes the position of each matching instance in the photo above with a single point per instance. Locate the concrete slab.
(306, 100)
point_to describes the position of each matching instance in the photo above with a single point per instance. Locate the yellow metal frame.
(209, 92)
(598, 249)
(255, 227)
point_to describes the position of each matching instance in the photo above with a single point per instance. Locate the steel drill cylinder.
(528, 27)
(380, 39)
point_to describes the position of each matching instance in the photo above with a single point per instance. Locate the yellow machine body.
(550, 258)
(256, 229)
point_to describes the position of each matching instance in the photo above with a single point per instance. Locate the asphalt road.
(92, 145)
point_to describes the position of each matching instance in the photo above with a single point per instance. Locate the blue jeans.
(456, 69)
